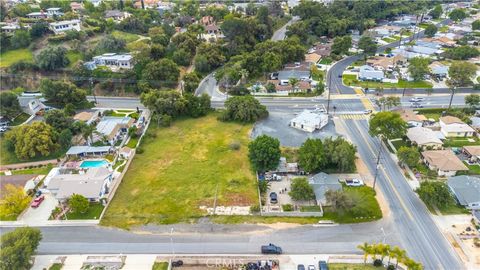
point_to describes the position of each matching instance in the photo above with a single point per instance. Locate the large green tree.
(311, 155)
(418, 68)
(301, 190)
(20, 39)
(33, 140)
(264, 153)
(431, 30)
(408, 156)
(244, 109)
(78, 203)
(387, 124)
(52, 58)
(58, 120)
(436, 12)
(476, 25)
(62, 92)
(435, 194)
(161, 73)
(191, 81)
(462, 52)
(368, 45)
(341, 45)
(9, 105)
(13, 202)
(340, 154)
(457, 14)
(472, 100)
(461, 74)
(18, 247)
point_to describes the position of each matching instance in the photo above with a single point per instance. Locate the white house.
(451, 126)
(368, 73)
(466, 190)
(50, 12)
(10, 27)
(54, 12)
(444, 162)
(309, 121)
(424, 137)
(63, 26)
(112, 128)
(113, 61)
(117, 15)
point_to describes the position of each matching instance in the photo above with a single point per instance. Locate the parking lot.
(277, 125)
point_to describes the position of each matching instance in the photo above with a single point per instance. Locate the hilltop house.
(444, 162)
(309, 121)
(63, 26)
(50, 12)
(117, 15)
(466, 190)
(113, 61)
(452, 126)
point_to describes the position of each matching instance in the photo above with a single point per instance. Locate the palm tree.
(366, 248)
(384, 250)
(293, 82)
(87, 132)
(399, 255)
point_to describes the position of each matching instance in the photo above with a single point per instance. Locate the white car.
(311, 267)
(354, 182)
(417, 99)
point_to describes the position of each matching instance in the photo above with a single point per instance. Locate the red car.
(36, 203)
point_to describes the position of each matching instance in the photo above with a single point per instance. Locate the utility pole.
(93, 90)
(377, 164)
(451, 97)
(329, 89)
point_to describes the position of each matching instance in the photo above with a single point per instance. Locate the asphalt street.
(412, 221)
(280, 34)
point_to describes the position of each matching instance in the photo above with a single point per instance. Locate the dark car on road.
(322, 265)
(271, 249)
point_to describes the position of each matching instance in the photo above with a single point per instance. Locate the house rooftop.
(473, 150)
(409, 115)
(64, 22)
(451, 120)
(466, 188)
(444, 160)
(422, 136)
(322, 182)
(88, 184)
(75, 150)
(309, 118)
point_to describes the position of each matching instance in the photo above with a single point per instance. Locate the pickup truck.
(354, 182)
(271, 249)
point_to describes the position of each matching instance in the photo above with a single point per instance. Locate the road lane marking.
(367, 104)
(402, 203)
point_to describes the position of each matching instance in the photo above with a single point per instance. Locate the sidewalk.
(50, 223)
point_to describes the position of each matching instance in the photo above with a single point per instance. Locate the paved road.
(418, 232)
(281, 32)
(336, 71)
(211, 239)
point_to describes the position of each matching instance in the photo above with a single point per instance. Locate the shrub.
(234, 145)
(139, 150)
(287, 207)
(255, 208)
(377, 263)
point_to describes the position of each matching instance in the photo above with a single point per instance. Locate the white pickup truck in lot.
(354, 182)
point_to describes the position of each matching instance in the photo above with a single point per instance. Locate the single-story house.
(424, 137)
(82, 151)
(386, 63)
(309, 121)
(284, 167)
(117, 15)
(452, 126)
(411, 117)
(63, 26)
(93, 183)
(112, 128)
(472, 152)
(302, 86)
(322, 49)
(439, 70)
(25, 181)
(475, 122)
(112, 61)
(285, 75)
(466, 189)
(321, 183)
(444, 162)
(368, 73)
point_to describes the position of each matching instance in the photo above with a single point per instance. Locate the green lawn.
(351, 80)
(180, 169)
(132, 143)
(399, 143)
(160, 266)
(116, 114)
(453, 209)
(473, 169)
(128, 37)
(56, 266)
(94, 212)
(40, 171)
(352, 266)
(9, 157)
(389, 40)
(19, 119)
(10, 57)
(312, 208)
(326, 61)
(460, 142)
(443, 29)
(73, 57)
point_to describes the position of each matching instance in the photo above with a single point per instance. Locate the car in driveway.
(273, 197)
(271, 249)
(311, 267)
(37, 201)
(354, 182)
(322, 265)
(300, 267)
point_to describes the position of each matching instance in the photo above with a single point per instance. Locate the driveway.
(276, 125)
(34, 216)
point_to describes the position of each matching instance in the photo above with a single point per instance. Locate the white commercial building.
(309, 121)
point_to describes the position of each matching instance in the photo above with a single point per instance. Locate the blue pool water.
(93, 163)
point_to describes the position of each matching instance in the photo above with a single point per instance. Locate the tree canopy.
(264, 153)
(245, 109)
(431, 30)
(173, 104)
(460, 73)
(62, 92)
(162, 73)
(368, 45)
(418, 68)
(436, 12)
(78, 203)
(435, 194)
(301, 190)
(472, 100)
(408, 156)
(457, 14)
(311, 155)
(52, 58)
(387, 124)
(18, 247)
(9, 105)
(14, 200)
(341, 45)
(33, 140)
(462, 53)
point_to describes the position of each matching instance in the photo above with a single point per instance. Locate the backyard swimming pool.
(93, 163)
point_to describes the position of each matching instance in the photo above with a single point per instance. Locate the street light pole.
(451, 97)
(171, 242)
(329, 89)
(377, 164)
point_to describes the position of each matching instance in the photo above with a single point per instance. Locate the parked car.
(273, 197)
(322, 265)
(300, 267)
(416, 105)
(354, 182)
(271, 249)
(311, 267)
(417, 99)
(36, 203)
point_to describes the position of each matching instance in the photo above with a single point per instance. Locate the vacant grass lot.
(73, 57)
(352, 266)
(128, 37)
(180, 169)
(10, 57)
(351, 80)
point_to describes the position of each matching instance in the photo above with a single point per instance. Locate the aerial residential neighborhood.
(241, 134)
